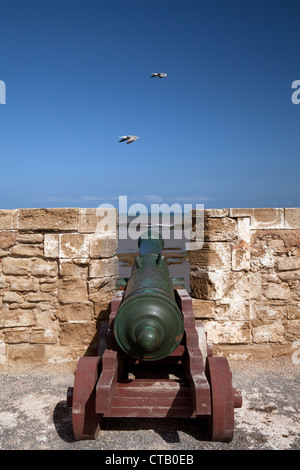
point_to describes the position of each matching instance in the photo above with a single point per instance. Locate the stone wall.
(58, 269)
(245, 281)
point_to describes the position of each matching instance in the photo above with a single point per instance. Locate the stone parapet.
(245, 281)
(58, 269)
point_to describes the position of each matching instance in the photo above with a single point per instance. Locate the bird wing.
(124, 137)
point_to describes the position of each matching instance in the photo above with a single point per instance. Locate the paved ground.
(33, 413)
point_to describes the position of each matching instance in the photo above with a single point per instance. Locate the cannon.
(153, 359)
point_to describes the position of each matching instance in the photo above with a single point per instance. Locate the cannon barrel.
(149, 325)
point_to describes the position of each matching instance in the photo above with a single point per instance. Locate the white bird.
(159, 75)
(129, 138)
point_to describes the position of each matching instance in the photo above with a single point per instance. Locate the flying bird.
(129, 138)
(159, 75)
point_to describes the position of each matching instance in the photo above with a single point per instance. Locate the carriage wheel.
(221, 421)
(86, 423)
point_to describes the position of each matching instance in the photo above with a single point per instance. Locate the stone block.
(213, 256)
(57, 219)
(40, 297)
(13, 318)
(277, 291)
(74, 268)
(51, 245)
(82, 311)
(12, 297)
(261, 218)
(25, 249)
(268, 333)
(203, 308)
(16, 266)
(104, 267)
(292, 217)
(97, 220)
(220, 229)
(240, 259)
(244, 352)
(292, 330)
(25, 353)
(7, 239)
(23, 284)
(73, 245)
(30, 237)
(8, 219)
(227, 332)
(44, 336)
(17, 335)
(288, 263)
(40, 267)
(101, 289)
(72, 290)
(76, 334)
(103, 246)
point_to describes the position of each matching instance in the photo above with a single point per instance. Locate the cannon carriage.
(153, 359)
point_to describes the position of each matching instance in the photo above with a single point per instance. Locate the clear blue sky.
(221, 130)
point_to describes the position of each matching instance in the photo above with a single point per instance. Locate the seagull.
(129, 138)
(159, 75)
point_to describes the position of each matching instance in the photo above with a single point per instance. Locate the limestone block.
(82, 311)
(292, 217)
(48, 219)
(103, 246)
(288, 263)
(40, 267)
(39, 297)
(289, 275)
(101, 289)
(215, 212)
(227, 332)
(8, 219)
(7, 239)
(25, 249)
(51, 245)
(44, 335)
(292, 330)
(98, 220)
(264, 218)
(73, 245)
(244, 352)
(277, 291)
(76, 334)
(17, 335)
(12, 318)
(16, 266)
(74, 268)
(268, 333)
(72, 290)
(2, 352)
(12, 297)
(23, 284)
(25, 353)
(240, 259)
(104, 267)
(203, 308)
(213, 256)
(49, 286)
(30, 237)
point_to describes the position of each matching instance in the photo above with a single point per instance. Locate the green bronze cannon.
(149, 324)
(153, 359)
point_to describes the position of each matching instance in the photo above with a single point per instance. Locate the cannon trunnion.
(153, 359)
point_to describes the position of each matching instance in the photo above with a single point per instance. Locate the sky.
(220, 130)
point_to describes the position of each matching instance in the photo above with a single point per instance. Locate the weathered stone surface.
(23, 284)
(73, 245)
(30, 237)
(17, 335)
(103, 247)
(40, 267)
(48, 219)
(73, 268)
(25, 249)
(213, 256)
(104, 267)
(51, 245)
(12, 318)
(219, 229)
(203, 308)
(277, 291)
(8, 219)
(288, 263)
(292, 217)
(12, 297)
(82, 311)
(97, 220)
(7, 239)
(227, 332)
(100, 289)
(17, 266)
(25, 353)
(72, 290)
(77, 333)
(261, 218)
(268, 333)
(44, 336)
